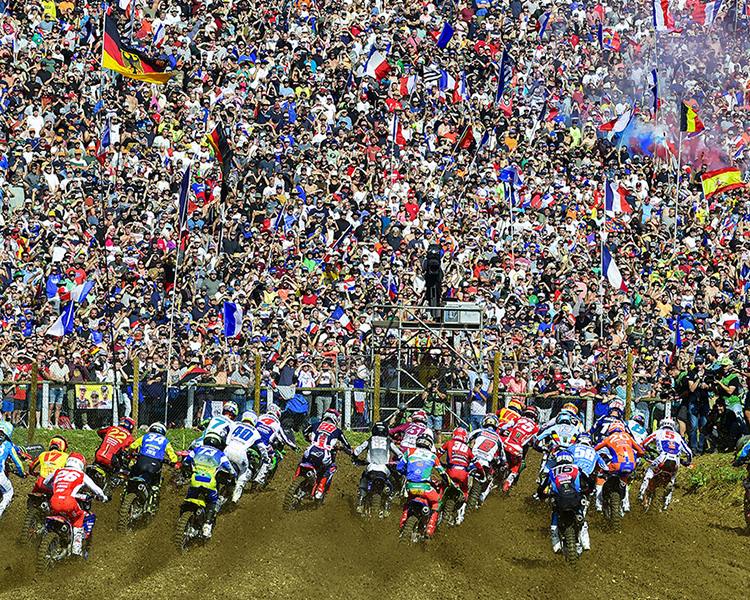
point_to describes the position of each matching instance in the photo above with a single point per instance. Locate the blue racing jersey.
(155, 445)
(8, 450)
(208, 460)
(586, 458)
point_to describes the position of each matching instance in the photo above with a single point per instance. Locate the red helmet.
(460, 434)
(419, 417)
(127, 423)
(530, 412)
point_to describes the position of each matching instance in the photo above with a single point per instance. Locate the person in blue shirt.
(153, 449)
(8, 450)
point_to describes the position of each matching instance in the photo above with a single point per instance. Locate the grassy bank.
(714, 478)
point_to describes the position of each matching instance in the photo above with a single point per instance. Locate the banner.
(94, 395)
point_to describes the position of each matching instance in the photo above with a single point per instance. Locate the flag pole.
(601, 279)
(677, 194)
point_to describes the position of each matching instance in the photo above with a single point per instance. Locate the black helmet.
(424, 440)
(380, 429)
(214, 440)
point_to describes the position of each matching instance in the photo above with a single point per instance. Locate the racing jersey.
(517, 434)
(156, 446)
(457, 454)
(8, 450)
(586, 458)
(66, 483)
(207, 459)
(486, 445)
(622, 451)
(327, 436)
(244, 436)
(379, 449)
(48, 462)
(114, 439)
(418, 463)
(668, 444)
(410, 432)
(271, 432)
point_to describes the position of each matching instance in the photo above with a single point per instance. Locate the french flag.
(732, 326)
(705, 14)
(619, 124)
(232, 319)
(407, 85)
(610, 270)
(348, 284)
(159, 36)
(340, 316)
(445, 35)
(377, 67)
(614, 199)
(460, 93)
(663, 21)
(392, 287)
(397, 134)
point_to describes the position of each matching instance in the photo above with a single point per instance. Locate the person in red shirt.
(115, 440)
(458, 459)
(516, 436)
(65, 484)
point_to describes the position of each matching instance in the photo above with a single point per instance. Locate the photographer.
(728, 384)
(435, 403)
(722, 429)
(699, 382)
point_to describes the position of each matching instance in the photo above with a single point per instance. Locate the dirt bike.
(657, 488)
(194, 511)
(37, 510)
(568, 504)
(612, 496)
(57, 541)
(139, 505)
(480, 480)
(110, 479)
(417, 518)
(302, 488)
(276, 454)
(453, 506)
(379, 490)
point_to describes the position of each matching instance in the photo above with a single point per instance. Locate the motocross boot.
(430, 530)
(209, 524)
(360, 501)
(556, 542)
(77, 546)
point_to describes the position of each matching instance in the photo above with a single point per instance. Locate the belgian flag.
(130, 62)
(223, 152)
(689, 120)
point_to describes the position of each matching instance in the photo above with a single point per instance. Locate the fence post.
(136, 388)
(376, 390)
(495, 382)
(589, 412)
(269, 396)
(32, 400)
(190, 417)
(629, 386)
(45, 403)
(257, 385)
(348, 408)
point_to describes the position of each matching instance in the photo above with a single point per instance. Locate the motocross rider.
(667, 446)
(8, 450)
(380, 450)
(243, 437)
(325, 437)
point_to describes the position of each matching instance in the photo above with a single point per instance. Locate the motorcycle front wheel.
(33, 526)
(131, 510)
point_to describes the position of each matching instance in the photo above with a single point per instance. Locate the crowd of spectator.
(345, 170)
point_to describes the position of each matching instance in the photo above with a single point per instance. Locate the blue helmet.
(564, 418)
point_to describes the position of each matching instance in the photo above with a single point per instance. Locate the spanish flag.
(689, 120)
(130, 62)
(721, 180)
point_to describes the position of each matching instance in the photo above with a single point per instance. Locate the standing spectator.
(57, 372)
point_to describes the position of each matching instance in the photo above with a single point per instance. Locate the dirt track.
(697, 550)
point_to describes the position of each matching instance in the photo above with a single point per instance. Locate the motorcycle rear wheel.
(131, 504)
(410, 530)
(449, 510)
(475, 495)
(181, 536)
(570, 546)
(294, 495)
(376, 504)
(614, 515)
(33, 525)
(46, 555)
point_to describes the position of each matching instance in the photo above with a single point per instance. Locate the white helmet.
(249, 416)
(668, 423)
(76, 461)
(6, 429)
(274, 410)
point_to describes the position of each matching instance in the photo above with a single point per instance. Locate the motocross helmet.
(419, 417)
(531, 412)
(584, 438)
(6, 431)
(58, 443)
(668, 423)
(159, 428)
(127, 423)
(515, 405)
(616, 408)
(563, 458)
(249, 416)
(460, 434)
(424, 440)
(490, 422)
(380, 429)
(564, 418)
(230, 409)
(639, 418)
(76, 461)
(571, 408)
(333, 417)
(214, 440)
(274, 411)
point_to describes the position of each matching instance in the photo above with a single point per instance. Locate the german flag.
(721, 180)
(223, 153)
(689, 120)
(130, 62)
(220, 144)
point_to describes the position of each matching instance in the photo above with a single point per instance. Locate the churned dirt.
(698, 550)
